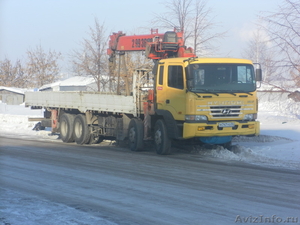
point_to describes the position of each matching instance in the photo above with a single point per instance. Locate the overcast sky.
(60, 25)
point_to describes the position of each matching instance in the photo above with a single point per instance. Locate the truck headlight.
(250, 117)
(190, 118)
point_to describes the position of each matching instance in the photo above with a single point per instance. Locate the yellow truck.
(202, 100)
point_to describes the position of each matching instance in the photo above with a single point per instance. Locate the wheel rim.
(157, 137)
(63, 129)
(132, 135)
(78, 129)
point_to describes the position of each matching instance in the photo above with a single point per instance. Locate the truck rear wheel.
(81, 130)
(136, 135)
(66, 127)
(161, 140)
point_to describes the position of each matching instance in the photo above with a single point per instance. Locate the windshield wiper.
(194, 93)
(232, 93)
(246, 92)
(207, 91)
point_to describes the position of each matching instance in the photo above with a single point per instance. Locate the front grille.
(225, 111)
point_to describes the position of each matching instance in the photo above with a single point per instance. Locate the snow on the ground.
(19, 209)
(14, 122)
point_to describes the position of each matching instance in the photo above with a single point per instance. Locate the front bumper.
(191, 130)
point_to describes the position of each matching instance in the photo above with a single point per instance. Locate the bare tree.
(284, 29)
(194, 18)
(177, 16)
(202, 26)
(92, 58)
(13, 75)
(260, 50)
(133, 61)
(42, 67)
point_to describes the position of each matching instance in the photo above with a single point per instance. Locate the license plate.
(226, 124)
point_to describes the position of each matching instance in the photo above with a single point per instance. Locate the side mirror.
(258, 74)
(189, 73)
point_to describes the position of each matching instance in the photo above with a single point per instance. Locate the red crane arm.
(156, 46)
(120, 42)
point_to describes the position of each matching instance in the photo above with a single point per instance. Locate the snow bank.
(14, 122)
(263, 150)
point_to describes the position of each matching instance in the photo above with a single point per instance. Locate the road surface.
(125, 187)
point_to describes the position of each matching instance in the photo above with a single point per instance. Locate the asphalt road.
(143, 188)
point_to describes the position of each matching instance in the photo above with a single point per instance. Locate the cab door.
(171, 90)
(160, 87)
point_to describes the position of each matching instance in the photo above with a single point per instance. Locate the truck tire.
(66, 127)
(136, 135)
(81, 130)
(162, 141)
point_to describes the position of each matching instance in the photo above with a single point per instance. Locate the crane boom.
(120, 42)
(155, 45)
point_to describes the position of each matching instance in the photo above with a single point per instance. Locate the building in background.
(76, 83)
(12, 96)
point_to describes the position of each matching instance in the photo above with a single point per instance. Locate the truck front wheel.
(161, 140)
(136, 134)
(66, 127)
(81, 130)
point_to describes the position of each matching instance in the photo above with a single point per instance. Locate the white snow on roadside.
(14, 122)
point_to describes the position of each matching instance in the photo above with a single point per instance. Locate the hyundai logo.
(226, 111)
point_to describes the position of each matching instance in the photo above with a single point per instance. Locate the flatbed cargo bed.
(83, 101)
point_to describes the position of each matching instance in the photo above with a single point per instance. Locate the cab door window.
(175, 77)
(161, 75)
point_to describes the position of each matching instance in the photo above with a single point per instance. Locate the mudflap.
(216, 140)
(210, 142)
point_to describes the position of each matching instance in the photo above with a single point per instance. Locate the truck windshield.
(222, 78)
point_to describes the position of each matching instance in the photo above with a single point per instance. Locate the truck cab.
(210, 99)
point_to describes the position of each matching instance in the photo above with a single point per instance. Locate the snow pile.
(259, 155)
(18, 125)
(14, 122)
